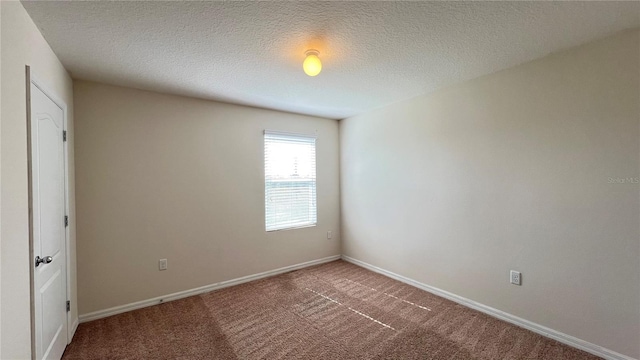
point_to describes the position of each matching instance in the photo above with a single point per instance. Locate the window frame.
(267, 132)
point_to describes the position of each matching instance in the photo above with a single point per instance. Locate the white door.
(49, 243)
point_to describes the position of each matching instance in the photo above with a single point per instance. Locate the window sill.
(293, 227)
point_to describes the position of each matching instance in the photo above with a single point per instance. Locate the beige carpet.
(331, 311)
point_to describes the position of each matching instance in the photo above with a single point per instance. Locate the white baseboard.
(200, 290)
(74, 327)
(537, 328)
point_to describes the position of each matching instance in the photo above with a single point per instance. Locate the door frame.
(32, 79)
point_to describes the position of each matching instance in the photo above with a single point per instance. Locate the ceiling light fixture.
(312, 64)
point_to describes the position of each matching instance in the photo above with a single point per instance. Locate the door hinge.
(68, 305)
(66, 221)
(64, 135)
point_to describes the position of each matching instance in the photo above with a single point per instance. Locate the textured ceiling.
(373, 53)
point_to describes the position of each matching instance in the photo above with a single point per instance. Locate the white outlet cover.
(162, 264)
(329, 234)
(515, 277)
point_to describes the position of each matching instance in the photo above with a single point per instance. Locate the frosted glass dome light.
(312, 64)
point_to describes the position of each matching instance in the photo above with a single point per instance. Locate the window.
(289, 180)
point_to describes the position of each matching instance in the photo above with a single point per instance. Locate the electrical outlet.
(162, 264)
(516, 277)
(329, 234)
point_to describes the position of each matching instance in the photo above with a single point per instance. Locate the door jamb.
(32, 79)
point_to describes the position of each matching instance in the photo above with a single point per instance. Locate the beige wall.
(511, 171)
(162, 176)
(22, 44)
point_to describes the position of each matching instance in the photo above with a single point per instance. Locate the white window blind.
(290, 180)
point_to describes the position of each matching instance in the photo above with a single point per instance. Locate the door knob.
(44, 260)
